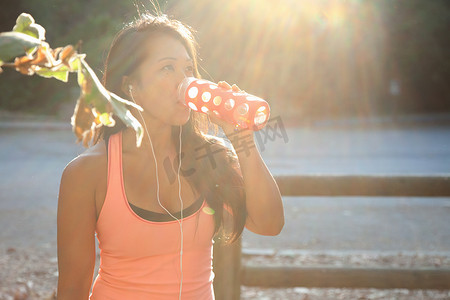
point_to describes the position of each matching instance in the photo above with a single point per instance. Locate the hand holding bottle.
(227, 127)
(229, 104)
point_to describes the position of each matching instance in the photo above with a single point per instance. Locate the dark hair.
(223, 184)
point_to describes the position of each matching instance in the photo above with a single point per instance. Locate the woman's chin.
(182, 121)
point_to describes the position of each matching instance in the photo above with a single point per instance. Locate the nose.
(180, 76)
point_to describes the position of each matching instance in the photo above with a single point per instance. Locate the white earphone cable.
(181, 217)
(180, 221)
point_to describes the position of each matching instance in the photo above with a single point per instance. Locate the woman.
(155, 227)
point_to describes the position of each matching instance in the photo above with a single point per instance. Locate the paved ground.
(32, 160)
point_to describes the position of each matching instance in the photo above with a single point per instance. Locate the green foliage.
(316, 63)
(14, 44)
(61, 74)
(25, 24)
(97, 98)
(92, 22)
(418, 49)
(95, 106)
(266, 48)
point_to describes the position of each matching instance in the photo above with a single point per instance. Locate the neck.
(161, 139)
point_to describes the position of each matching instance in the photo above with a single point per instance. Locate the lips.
(182, 103)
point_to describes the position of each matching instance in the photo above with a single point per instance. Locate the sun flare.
(306, 53)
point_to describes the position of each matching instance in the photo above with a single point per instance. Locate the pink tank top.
(140, 259)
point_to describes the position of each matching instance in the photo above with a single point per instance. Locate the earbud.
(130, 87)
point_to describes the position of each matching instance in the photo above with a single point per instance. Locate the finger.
(235, 88)
(224, 85)
(226, 126)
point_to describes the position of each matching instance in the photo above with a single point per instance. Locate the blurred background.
(359, 87)
(311, 59)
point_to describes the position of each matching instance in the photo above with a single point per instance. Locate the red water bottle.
(239, 108)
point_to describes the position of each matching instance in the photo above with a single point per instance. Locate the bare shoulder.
(89, 167)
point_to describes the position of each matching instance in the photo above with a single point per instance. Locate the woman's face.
(155, 88)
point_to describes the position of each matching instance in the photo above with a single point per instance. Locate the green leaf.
(13, 44)
(36, 31)
(80, 77)
(23, 21)
(25, 24)
(61, 74)
(127, 117)
(105, 119)
(96, 95)
(126, 102)
(75, 65)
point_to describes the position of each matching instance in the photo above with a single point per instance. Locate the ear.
(126, 84)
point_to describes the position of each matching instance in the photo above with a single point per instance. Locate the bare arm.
(263, 198)
(76, 229)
